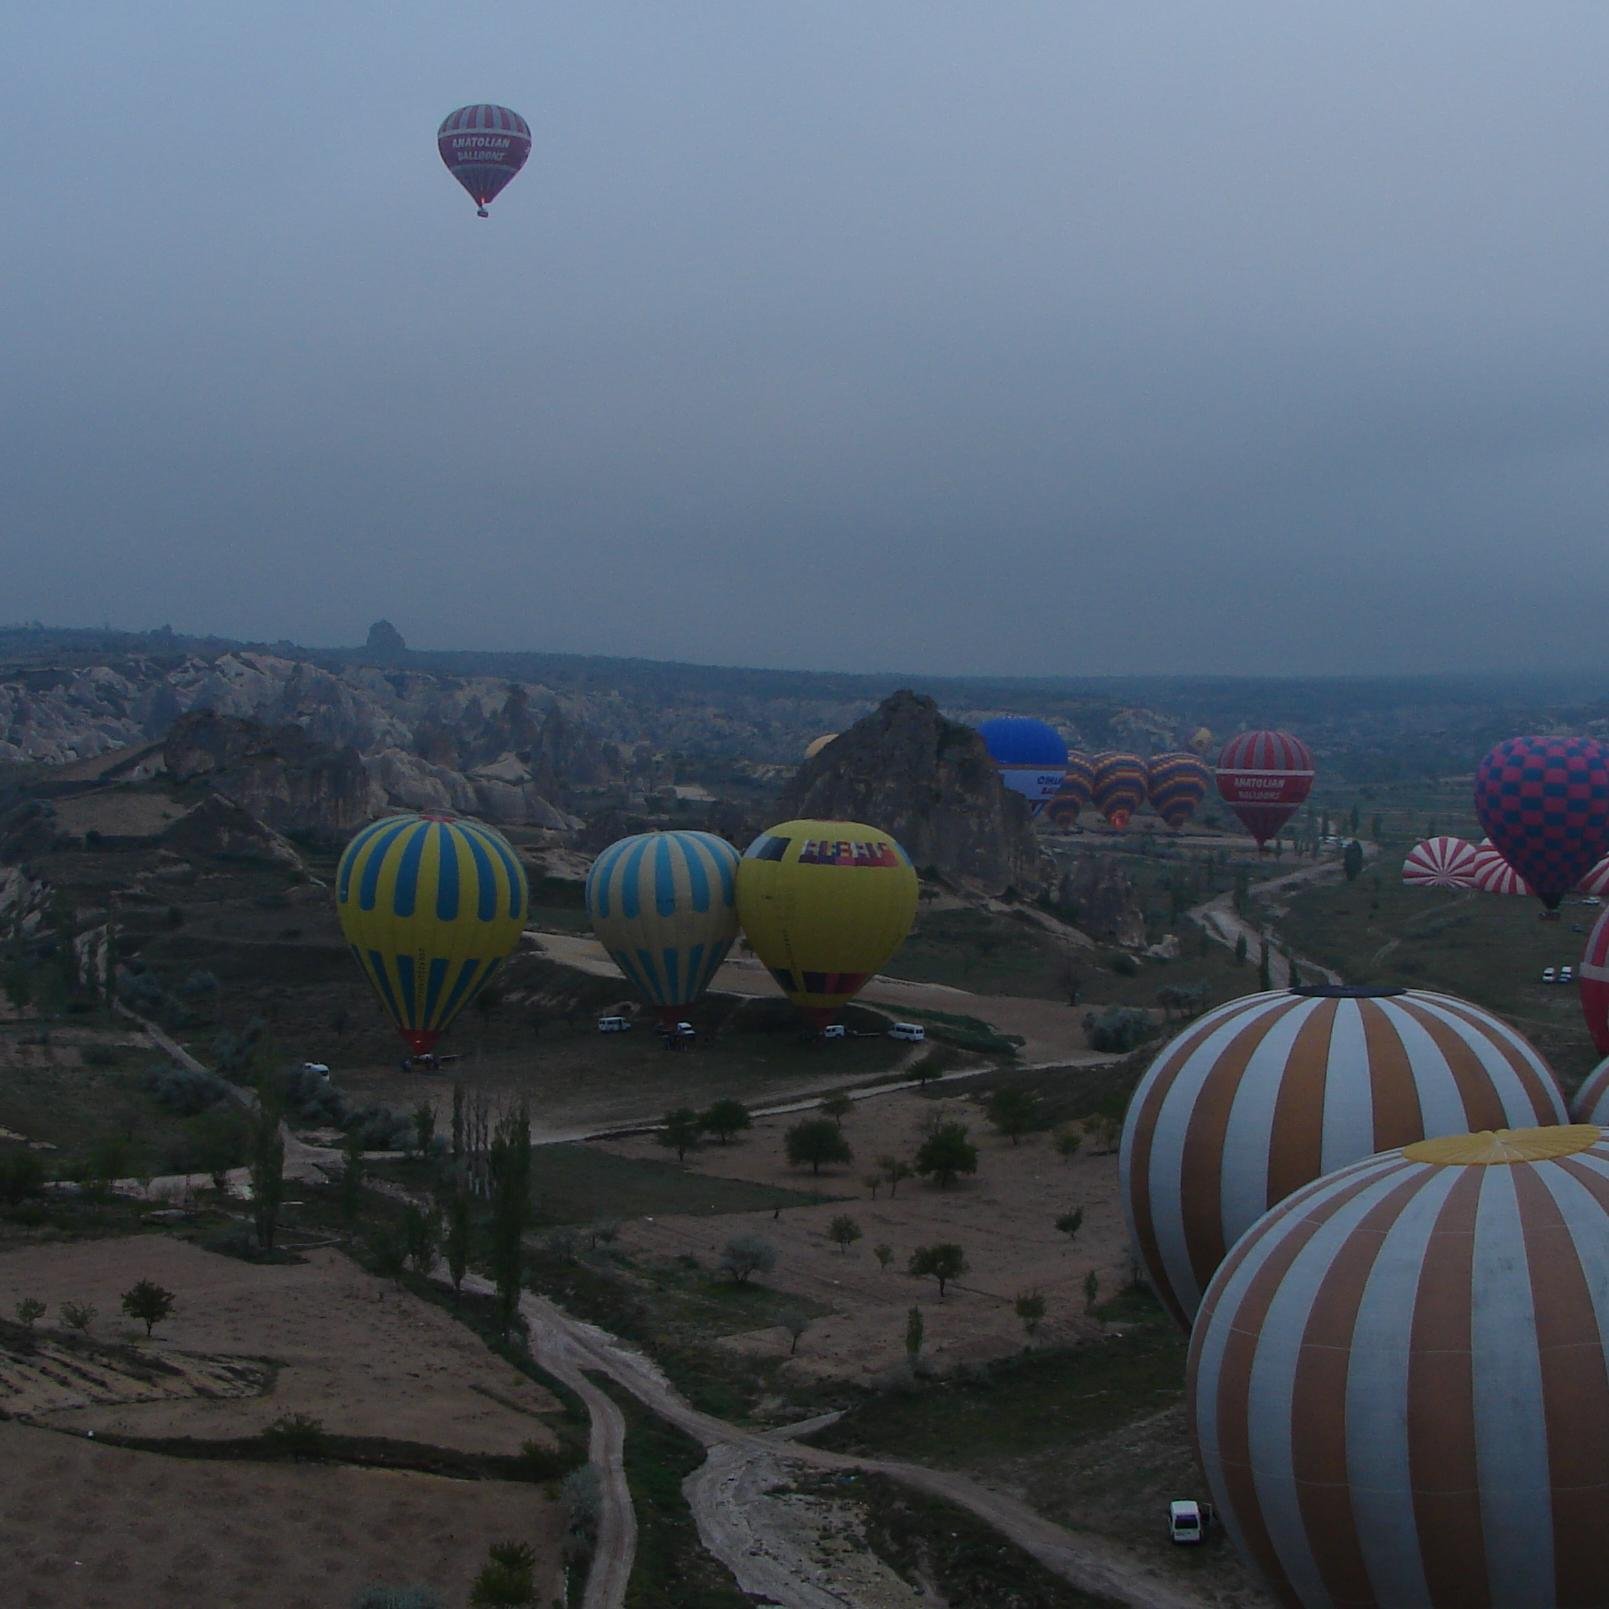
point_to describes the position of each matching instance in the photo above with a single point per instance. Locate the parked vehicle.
(1566, 974)
(834, 1030)
(614, 1025)
(318, 1067)
(1185, 1523)
(908, 1030)
(1547, 974)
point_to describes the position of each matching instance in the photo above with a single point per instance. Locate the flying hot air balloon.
(431, 904)
(1120, 782)
(1030, 756)
(664, 905)
(1176, 784)
(1441, 862)
(1263, 777)
(1076, 790)
(1397, 1383)
(825, 904)
(1544, 802)
(1201, 740)
(484, 147)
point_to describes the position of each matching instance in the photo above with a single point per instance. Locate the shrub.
(582, 1494)
(745, 1255)
(815, 1141)
(30, 1310)
(1124, 965)
(297, 1435)
(1119, 1028)
(506, 1578)
(946, 1153)
(541, 1463)
(844, 1231)
(184, 1091)
(22, 1174)
(78, 1315)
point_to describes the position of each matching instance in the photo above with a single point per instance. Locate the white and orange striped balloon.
(1398, 1381)
(1270, 1091)
(1442, 862)
(1590, 1103)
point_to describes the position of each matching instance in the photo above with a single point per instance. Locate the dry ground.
(1003, 1217)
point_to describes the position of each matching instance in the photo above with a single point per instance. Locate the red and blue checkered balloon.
(1544, 802)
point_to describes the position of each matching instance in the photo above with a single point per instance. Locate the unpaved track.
(1089, 1562)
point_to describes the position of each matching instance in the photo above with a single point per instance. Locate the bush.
(297, 1435)
(506, 1578)
(582, 1493)
(1120, 1028)
(1125, 965)
(184, 1091)
(22, 1174)
(541, 1463)
(745, 1255)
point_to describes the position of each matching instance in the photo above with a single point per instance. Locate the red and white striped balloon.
(1439, 863)
(1398, 1381)
(1597, 880)
(1592, 984)
(1590, 1103)
(1270, 1091)
(1491, 874)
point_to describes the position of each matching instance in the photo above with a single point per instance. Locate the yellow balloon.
(817, 744)
(431, 906)
(825, 904)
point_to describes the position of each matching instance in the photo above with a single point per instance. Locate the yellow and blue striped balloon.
(431, 905)
(664, 905)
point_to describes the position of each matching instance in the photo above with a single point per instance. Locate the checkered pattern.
(1544, 802)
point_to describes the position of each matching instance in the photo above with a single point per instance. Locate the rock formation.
(929, 782)
(1095, 894)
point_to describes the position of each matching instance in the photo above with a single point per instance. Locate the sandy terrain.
(349, 1349)
(92, 1527)
(1003, 1217)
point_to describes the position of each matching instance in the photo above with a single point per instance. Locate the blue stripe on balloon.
(656, 984)
(628, 970)
(457, 997)
(697, 856)
(485, 879)
(673, 978)
(369, 883)
(410, 1006)
(406, 893)
(664, 875)
(630, 902)
(727, 863)
(446, 874)
(697, 982)
(382, 982)
(433, 982)
(598, 882)
(349, 861)
(511, 867)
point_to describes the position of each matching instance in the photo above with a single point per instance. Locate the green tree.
(1240, 950)
(30, 1310)
(1092, 1290)
(352, 1176)
(149, 1303)
(1071, 1222)
(424, 1127)
(944, 1262)
(1068, 1141)
(724, 1118)
(795, 1321)
(679, 1131)
(946, 1154)
(837, 1107)
(458, 1119)
(746, 1255)
(421, 1236)
(884, 1256)
(914, 1328)
(1013, 1112)
(1352, 860)
(79, 1315)
(1265, 977)
(266, 1165)
(1030, 1307)
(509, 1161)
(815, 1141)
(457, 1239)
(894, 1169)
(844, 1231)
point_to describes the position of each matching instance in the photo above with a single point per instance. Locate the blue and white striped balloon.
(664, 905)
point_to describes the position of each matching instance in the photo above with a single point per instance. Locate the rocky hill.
(930, 782)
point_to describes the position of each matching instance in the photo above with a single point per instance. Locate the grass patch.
(1063, 1094)
(966, 1033)
(978, 950)
(672, 1569)
(940, 1546)
(1034, 1402)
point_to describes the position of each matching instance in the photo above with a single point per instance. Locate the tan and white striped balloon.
(1398, 1381)
(1270, 1091)
(1590, 1103)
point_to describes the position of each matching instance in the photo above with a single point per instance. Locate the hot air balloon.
(1596, 882)
(483, 147)
(1176, 784)
(1030, 756)
(1592, 982)
(817, 744)
(1076, 790)
(664, 905)
(1544, 801)
(431, 905)
(1590, 1103)
(825, 904)
(1263, 777)
(1397, 1381)
(1271, 1090)
(1491, 874)
(1119, 786)
(1201, 741)
(1441, 862)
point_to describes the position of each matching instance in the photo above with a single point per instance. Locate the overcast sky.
(893, 334)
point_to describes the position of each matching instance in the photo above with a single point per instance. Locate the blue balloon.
(1030, 756)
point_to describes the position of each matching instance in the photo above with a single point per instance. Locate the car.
(835, 1030)
(1592, 899)
(913, 1031)
(1566, 974)
(614, 1025)
(1184, 1521)
(1547, 974)
(320, 1069)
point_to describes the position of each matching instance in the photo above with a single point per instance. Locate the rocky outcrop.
(1095, 894)
(220, 826)
(501, 792)
(929, 782)
(279, 775)
(385, 641)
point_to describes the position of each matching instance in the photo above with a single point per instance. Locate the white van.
(1184, 1521)
(614, 1025)
(835, 1030)
(913, 1031)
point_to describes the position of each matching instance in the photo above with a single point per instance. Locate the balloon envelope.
(1030, 756)
(1201, 740)
(664, 905)
(1491, 874)
(1263, 777)
(825, 904)
(817, 744)
(431, 905)
(1592, 983)
(1544, 802)
(484, 147)
(1120, 783)
(1176, 784)
(1076, 790)
(1441, 862)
